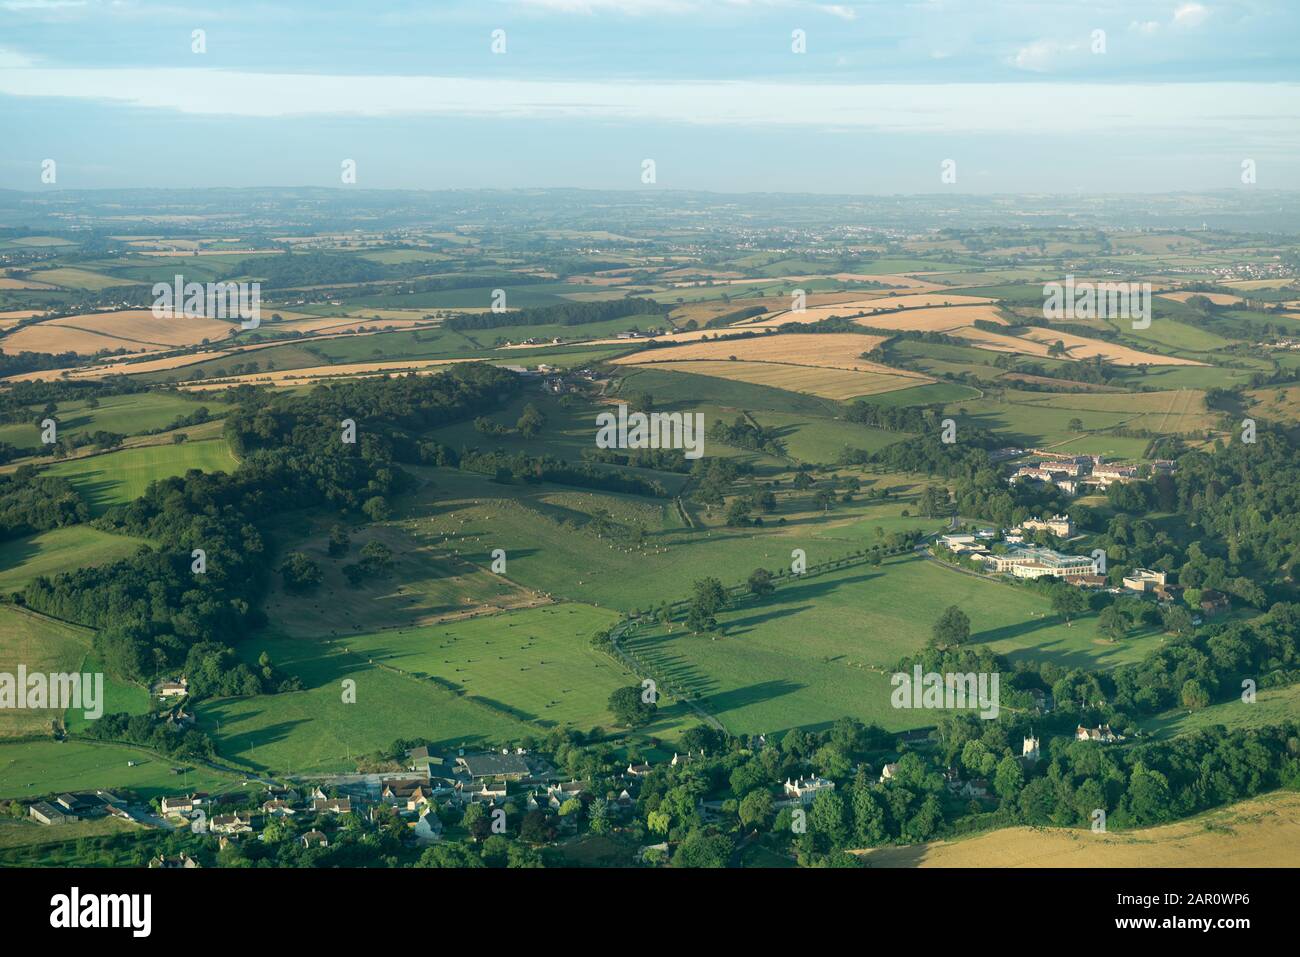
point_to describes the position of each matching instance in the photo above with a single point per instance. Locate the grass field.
(116, 478)
(32, 768)
(314, 730)
(122, 414)
(814, 439)
(58, 550)
(538, 662)
(926, 394)
(819, 649)
(423, 585)
(40, 644)
(1271, 706)
(1262, 832)
(553, 547)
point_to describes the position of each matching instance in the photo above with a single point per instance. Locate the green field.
(122, 414)
(29, 769)
(59, 550)
(314, 730)
(1271, 706)
(538, 663)
(813, 439)
(422, 585)
(925, 395)
(552, 545)
(116, 478)
(822, 648)
(41, 644)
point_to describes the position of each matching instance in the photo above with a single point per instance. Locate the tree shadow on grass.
(725, 701)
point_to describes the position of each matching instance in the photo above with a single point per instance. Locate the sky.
(725, 95)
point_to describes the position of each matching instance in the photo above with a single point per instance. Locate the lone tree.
(1068, 601)
(300, 573)
(952, 628)
(760, 582)
(531, 422)
(628, 707)
(707, 597)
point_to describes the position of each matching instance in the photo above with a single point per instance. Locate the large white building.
(1058, 525)
(804, 790)
(1033, 562)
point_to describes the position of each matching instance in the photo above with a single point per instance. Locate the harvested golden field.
(7, 282)
(1281, 404)
(313, 374)
(1079, 347)
(344, 324)
(828, 383)
(21, 313)
(136, 330)
(172, 253)
(70, 277)
(1258, 283)
(999, 343)
(870, 304)
(1218, 298)
(1263, 832)
(830, 351)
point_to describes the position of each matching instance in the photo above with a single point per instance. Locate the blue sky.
(1024, 96)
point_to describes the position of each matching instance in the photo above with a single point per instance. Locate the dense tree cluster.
(561, 314)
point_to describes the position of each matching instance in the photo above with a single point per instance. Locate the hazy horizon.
(1022, 97)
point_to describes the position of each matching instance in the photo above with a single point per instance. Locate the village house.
(314, 839)
(172, 688)
(887, 772)
(487, 792)
(427, 829)
(278, 808)
(332, 805)
(559, 793)
(182, 805)
(184, 861)
(638, 770)
(238, 823)
(1105, 475)
(1101, 733)
(511, 767)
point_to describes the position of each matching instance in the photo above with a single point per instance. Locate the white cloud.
(1190, 15)
(1129, 109)
(13, 60)
(1041, 55)
(838, 10)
